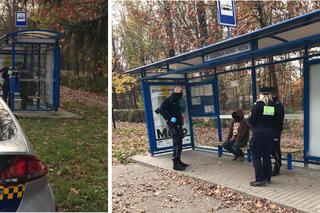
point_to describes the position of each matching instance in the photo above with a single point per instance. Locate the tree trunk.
(134, 98)
(273, 79)
(169, 29)
(115, 103)
(203, 28)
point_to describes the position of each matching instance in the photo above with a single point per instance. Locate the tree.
(85, 26)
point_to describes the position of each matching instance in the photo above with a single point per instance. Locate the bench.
(286, 151)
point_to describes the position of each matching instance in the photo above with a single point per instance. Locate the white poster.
(226, 7)
(158, 94)
(208, 108)
(314, 118)
(208, 90)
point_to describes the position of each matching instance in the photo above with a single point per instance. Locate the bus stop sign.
(226, 13)
(21, 19)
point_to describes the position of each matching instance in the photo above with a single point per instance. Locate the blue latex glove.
(173, 120)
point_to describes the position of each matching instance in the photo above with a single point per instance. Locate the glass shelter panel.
(34, 78)
(235, 92)
(205, 131)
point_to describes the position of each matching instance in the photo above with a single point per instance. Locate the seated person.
(27, 87)
(238, 135)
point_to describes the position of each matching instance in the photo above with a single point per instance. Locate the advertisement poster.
(158, 94)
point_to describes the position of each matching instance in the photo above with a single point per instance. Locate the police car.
(23, 177)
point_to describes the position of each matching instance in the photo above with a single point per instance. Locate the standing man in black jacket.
(171, 112)
(6, 83)
(276, 150)
(262, 119)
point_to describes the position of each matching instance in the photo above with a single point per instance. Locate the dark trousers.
(177, 136)
(276, 153)
(5, 92)
(233, 147)
(261, 146)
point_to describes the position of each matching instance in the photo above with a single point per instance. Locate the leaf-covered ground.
(86, 98)
(75, 151)
(140, 189)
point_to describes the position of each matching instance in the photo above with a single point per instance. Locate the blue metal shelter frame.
(296, 34)
(35, 49)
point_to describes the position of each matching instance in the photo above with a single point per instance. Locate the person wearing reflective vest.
(262, 120)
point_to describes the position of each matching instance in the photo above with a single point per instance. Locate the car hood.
(19, 143)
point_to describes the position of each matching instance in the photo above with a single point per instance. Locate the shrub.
(129, 115)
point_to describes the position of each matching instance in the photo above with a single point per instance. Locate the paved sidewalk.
(299, 188)
(46, 114)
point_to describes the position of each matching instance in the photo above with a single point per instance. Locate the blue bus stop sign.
(226, 13)
(21, 19)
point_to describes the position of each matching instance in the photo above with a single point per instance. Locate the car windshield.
(7, 127)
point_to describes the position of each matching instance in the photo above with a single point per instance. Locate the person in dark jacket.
(171, 111)
(276, 150)
(6, 83)
(27, 87)
(238, 135)
(262, 120)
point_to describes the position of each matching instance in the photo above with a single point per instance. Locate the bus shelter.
(33, 56)
(202, 73)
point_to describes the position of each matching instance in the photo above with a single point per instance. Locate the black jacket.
(5, 75)
(169, 108)
(279, 118)
(243, 131)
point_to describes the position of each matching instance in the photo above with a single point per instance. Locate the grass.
(75, 151)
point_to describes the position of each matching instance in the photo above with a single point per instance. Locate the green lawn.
(75, 150)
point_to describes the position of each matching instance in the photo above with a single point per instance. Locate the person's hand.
(173, 120)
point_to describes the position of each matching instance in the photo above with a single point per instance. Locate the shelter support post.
(56, 85)
(12, 79)
(39, 73)
(217, 110)
(188, 95)
(254, 82)
(289, 161)
(306, 79)
(13, 53)
(147, 110)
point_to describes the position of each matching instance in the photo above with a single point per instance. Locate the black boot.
(182, 164)
(275, 171)
(177, 166)
(257, 183)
